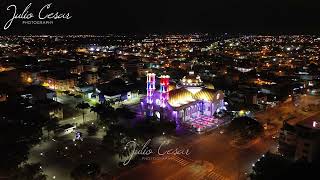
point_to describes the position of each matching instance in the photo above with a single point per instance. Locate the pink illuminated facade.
(189, 103)
(164, 90)
(151, 86)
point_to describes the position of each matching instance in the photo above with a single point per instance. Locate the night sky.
(141, 16)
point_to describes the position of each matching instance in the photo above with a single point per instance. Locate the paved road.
(229, 162)
(59, 156)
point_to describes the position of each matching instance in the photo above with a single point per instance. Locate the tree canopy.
(275, 167)
(88, 171)
(246, 127)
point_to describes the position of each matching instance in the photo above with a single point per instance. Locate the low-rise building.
(40, 99)
(134, 67)
(50, 109)
(90, 68)
(40, 93)
(29, 77)
(116, 91)
(77, 69)
(90, 78)
(300, 140)
(57, 81)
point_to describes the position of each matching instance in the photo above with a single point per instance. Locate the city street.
(210, 152)
(58, 156)
(168, 91)
(307, 106)
(228, 162)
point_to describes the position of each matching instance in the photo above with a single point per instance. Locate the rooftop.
(191, 80)
(182, 96)
(312, 122)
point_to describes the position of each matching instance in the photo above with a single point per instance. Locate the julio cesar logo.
(44, 16)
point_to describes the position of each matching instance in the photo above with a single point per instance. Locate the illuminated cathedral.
(189, 103)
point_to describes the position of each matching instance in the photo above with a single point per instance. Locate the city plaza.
(189, 103)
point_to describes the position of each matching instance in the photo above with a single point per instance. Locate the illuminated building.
(243, 70)
(28, 77)
(164, 90)
(57, 81)
(77, 69)
(116, 90)
(90, 77)
(300, 140)
(189, 103)
(151, 86)
(134, 67)
(3, 69)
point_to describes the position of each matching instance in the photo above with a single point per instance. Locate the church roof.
(178, 97)
(182, 96)
(206, 94)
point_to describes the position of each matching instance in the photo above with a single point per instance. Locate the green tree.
(83, 106)
(109, 116)
(18, 132)
(98, 109)
(116, 138)
(28, 172)
(273, 166)
(92, 130)
(89, 171)
(246, 127)
(51, 125)
(126, 112)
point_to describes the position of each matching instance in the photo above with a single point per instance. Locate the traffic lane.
(158, 170)
(216, 149)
